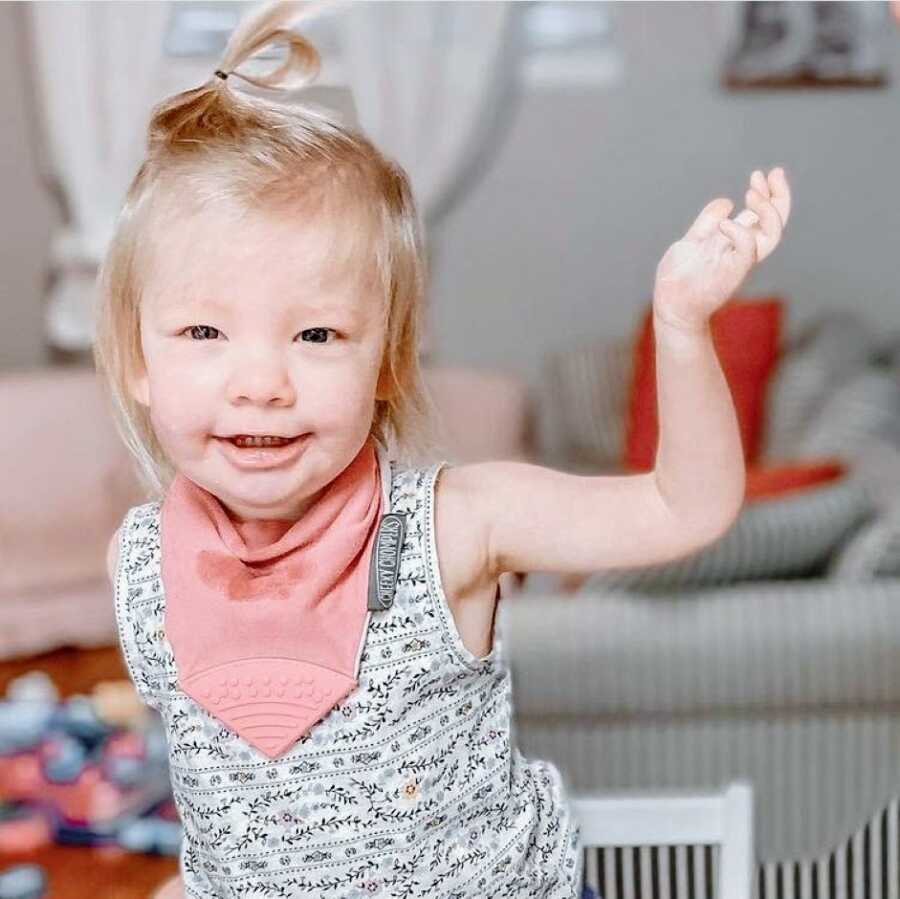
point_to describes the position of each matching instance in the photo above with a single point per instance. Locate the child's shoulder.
(453, 519)
(140, 514)
(468, 580)
(459, 527)
(141, 510)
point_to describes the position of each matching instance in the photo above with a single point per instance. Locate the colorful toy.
(89, 770)
(23, 829)
(117, 703)
(23, 882)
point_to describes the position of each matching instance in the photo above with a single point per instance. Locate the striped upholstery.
(780, 645)
(872, 552)
(867, 404)
(586, 400)
(826, 353)
(878, 468)
(865, 866)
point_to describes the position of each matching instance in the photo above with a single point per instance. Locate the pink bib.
(267, 632)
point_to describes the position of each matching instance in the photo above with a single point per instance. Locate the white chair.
(668, 846)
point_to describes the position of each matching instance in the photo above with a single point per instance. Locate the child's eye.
(194, 329)
(203, 332)
(320, 335)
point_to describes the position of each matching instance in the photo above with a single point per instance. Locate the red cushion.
(766, 481)
(746, 334)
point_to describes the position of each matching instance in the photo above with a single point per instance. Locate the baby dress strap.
(138, 601)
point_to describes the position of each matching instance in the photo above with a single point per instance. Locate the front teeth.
(260, 441)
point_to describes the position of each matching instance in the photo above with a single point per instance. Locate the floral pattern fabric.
(408, 787)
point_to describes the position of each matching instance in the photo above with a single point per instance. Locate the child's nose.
(261, 382)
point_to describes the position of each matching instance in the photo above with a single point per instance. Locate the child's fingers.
(770, 223)
(748, 218)
(742, 238)
(758, 181)
(770, 218)
(706, 223)
(780, 193)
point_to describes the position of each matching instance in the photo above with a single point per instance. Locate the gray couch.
(792, 680)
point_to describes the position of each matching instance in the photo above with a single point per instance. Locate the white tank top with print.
(408, 787)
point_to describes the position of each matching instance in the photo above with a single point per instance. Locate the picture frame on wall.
(806, 45)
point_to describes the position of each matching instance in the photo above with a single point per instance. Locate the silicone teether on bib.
(269, 702)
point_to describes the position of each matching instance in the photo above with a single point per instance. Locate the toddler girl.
(311, 615)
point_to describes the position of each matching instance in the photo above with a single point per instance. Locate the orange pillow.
(746, 334)
(765, 481)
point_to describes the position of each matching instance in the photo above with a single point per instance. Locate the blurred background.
(556, 150)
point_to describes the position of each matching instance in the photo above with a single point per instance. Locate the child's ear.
(139, 385)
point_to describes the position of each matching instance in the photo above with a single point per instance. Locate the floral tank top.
(411, 786)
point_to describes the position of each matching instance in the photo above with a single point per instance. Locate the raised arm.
(533, 518)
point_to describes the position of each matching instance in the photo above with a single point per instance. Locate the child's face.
(264, 363)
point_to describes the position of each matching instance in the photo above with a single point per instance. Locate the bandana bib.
(267, 623)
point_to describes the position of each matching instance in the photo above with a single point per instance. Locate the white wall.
(561, 238)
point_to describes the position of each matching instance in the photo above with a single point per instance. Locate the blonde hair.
(214, 145)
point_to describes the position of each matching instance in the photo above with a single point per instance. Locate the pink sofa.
(68, 480)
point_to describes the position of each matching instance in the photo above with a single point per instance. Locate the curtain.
(434, 85)
(97, 71)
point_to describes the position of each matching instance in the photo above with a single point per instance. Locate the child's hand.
(703, 270)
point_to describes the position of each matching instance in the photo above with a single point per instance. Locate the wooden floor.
(80, 872)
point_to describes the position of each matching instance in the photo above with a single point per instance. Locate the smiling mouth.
(251, 441)
(262, 455)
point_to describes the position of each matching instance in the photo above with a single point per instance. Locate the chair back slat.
(686, 846)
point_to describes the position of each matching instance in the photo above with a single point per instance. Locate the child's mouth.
(262, 452)
(246, 440)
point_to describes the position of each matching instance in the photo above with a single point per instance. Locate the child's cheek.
(331, 396)
(181, 418)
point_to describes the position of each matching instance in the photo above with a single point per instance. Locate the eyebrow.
(198, 302)
(341, 312)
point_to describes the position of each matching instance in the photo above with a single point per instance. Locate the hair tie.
(221, 74)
